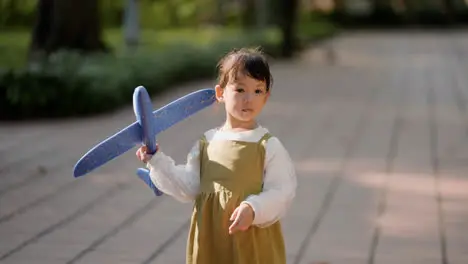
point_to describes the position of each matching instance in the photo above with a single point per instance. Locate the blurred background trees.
(87, 25)
(80, 57)
(71, 24)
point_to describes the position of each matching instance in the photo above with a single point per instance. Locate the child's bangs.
(252, 66)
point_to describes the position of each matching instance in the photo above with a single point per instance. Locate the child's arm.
(179, 181)
(279, 188)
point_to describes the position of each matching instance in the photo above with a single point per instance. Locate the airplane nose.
(143, 113)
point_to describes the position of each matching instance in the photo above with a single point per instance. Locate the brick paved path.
(379, 138)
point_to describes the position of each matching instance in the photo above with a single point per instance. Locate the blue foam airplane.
(144, 130)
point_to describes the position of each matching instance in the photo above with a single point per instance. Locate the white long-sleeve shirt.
(279, 182)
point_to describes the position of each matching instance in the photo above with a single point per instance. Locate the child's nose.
(248, 96)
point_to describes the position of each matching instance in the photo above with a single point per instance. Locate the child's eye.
(258, 91)
(239, 90)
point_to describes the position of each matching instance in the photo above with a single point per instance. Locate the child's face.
(244, 97)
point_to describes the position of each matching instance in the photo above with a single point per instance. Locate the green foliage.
(68, 84)
(13, 48)
(154, 14)
(14, 43)
(312, 26)
(16, 13)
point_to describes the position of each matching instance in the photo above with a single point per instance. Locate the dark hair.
(251, 62)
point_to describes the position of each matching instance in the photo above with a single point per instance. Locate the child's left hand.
(243, 217)
(142, 154)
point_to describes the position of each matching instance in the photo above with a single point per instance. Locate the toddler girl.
(240, 177)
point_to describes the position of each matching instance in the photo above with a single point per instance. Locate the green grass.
(14, 44)
(13, 48)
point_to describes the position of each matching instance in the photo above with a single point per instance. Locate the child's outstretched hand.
(242, 218)
(143, 155)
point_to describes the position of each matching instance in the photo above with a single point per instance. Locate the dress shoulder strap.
(202, 142)
(264, 139)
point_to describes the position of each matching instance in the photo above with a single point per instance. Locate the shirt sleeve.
(179, 181)
(279, 186)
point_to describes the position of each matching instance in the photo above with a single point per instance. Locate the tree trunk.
(410, 13)
(339, 10)
(274, 7)
(288, 23)
(42, 27)
(172, 13)
(449, 10)
(248, 13)
(131, 24)
(67, 24)
(220, 14)
(339, 6)
(382, 5)
(262, 13)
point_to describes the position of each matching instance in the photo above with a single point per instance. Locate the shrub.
(68, 85)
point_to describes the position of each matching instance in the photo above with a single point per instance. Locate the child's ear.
(219, 93)
(267, 96)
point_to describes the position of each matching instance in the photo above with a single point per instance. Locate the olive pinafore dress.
(230, 171)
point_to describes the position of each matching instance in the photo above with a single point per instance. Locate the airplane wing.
(109, 149)
(130, 136)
